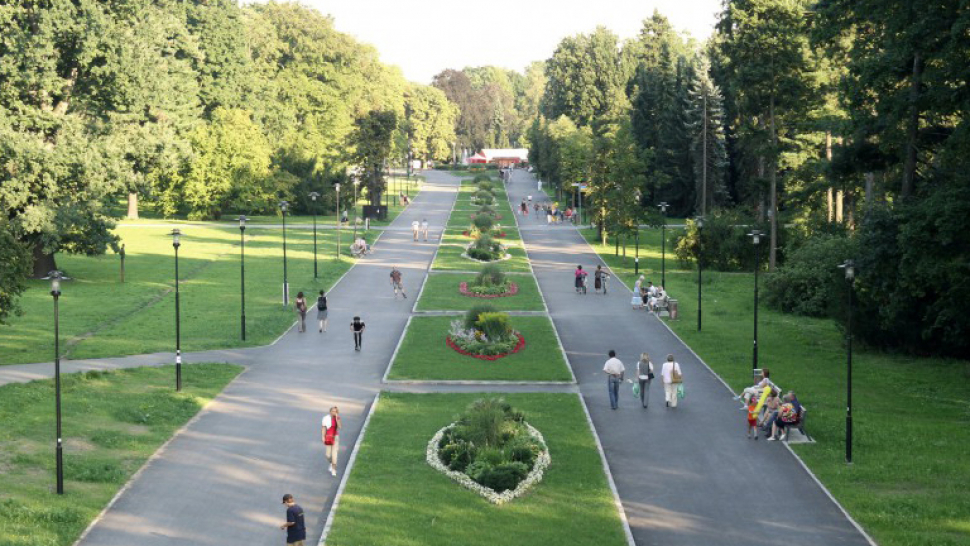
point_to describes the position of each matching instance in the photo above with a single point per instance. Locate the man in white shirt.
(415, 229)
(614, 376)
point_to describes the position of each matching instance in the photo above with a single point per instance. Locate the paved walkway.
(686, 476)
(220, 481)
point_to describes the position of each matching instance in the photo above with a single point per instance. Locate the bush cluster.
(726, 244)
(491, 444)
(483, 223)
(486, 249)
(809, 283)
(491, 280)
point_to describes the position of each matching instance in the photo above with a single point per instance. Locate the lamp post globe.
(55, 278)
(176, 243)
(756, 241)
(849, 267)
(284, 206)
(242, 275)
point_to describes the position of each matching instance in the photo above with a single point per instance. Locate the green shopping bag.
(680, 391)
(636, 389)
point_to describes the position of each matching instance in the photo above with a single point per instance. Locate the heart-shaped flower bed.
(534, 476)
(464, 291)
(518, 347)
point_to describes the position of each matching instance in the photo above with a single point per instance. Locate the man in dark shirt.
(295, 527)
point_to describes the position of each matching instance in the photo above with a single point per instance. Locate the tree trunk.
(132, 206)
(42, 263)
(870, 179)
(830, 193)
(909, 168)
(761, 192)
(773, 213)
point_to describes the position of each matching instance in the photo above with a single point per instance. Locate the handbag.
(650, 376)
(675, 376)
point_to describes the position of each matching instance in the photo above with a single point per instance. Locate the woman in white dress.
(637, 301)
(672, 378)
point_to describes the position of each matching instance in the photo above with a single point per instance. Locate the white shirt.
(424, 225)
(668, 369)
(327, 421)
(614, 366)
(415, 224)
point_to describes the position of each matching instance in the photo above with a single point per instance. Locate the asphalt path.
(686, 476)
(220, 481)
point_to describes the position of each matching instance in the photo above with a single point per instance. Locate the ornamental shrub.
(479, 178)
(457, 456)
(483, 223)
(496, 326)
(487, 210)
(491, 275)
(485, 185)
(485, 248)
(809, 283)
(504, 476)
(471, 316)
(726, 244)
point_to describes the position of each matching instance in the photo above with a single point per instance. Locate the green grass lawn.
(424, 356)
(394, 498)
(909, 484)
(99, 316)
(113, 421)
(441, 294)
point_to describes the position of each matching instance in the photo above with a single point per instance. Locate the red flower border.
(463, 290)
(457, 349)
(501, 234)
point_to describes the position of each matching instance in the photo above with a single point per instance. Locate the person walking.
(415, 229)
(580, 280)
(599, 279)
(614, 377)
(673, 378)
(397, 283)
(322, 311)
(331, 437)
(301, 309)
(357, 327)
(295, 525)
(645, 377)
(424, 229)
(637, 301)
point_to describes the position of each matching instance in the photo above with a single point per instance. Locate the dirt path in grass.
(686, 476)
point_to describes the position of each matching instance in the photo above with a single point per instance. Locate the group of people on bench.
(778, 413)
(648, 296)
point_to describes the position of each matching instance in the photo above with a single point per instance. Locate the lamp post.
(663, 244)
(849, 267)
(313, 197)
(337, 187)
(636, 227)
(700, 266)
(356, 216)
(756, 239)
(286, 285)
(176, 243)
(242, 274)
(55, 278)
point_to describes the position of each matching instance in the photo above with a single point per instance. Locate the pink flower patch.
(463, 290)
(457, 349)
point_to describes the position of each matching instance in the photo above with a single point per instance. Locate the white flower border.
(534, 477)
(467, 257)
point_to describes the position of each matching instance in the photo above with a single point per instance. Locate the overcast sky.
(424, 38)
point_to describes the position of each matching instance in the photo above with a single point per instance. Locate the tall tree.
(372, 142)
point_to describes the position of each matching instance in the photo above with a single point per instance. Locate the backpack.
(322, 303)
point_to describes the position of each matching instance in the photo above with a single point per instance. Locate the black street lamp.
(242, 274)
(356, 216)
(756, 239)
(849, 267)
(55, 278)
(176, 243)
(286, 285)
(663, 244)
(337, 187)
(700, 266)
(313, 196)
(636, 226)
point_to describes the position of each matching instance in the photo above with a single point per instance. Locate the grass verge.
(425, 356)
(113, 421)
(909, 481)
(441, 294)
(394, 498)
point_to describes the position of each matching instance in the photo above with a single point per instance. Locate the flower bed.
(512, 290)
(493, 215)
(459, 451)
(500, 235)
(518, 347)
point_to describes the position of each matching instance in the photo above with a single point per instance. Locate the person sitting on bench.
(757, 388)
(788, 415)
(360, 246)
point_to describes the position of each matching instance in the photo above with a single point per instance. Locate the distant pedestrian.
(614, 376)
(357, 327)
(580, 280)
(753, 418)
(673, 378)
(415, 229)
(331, 437)
(645, 377)
(295, 525)
(599, 279)
(549, 215)
(397, 283)
(424, 229)
(637, 301)
(322, 311)
(301, 309)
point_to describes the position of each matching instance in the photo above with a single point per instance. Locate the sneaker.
(405, 296)
(772, 439)
(783, 436)
(738, 397)
(755, 436)
(742, 408)
(333, 471)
